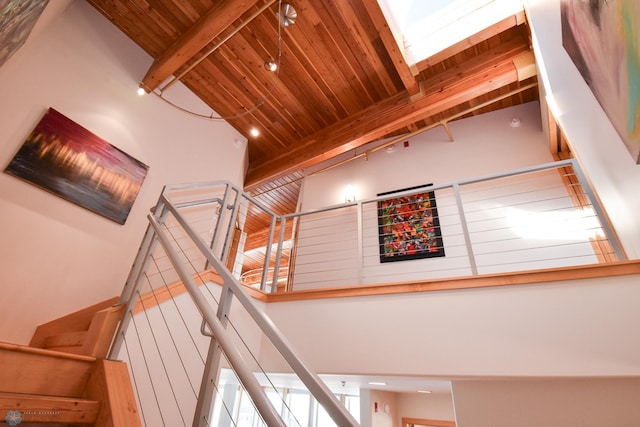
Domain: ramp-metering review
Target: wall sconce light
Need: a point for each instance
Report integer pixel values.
(349, 194)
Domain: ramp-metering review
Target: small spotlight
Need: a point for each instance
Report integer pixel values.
(141, 91)
(254, 132)
(288, 15)
(270, 66)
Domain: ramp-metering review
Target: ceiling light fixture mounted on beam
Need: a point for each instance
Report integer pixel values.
(286, 16)
(204, 56)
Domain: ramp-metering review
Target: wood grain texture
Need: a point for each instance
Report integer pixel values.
(110, 384)
(37, 371)
(342, 79)
(49, 409)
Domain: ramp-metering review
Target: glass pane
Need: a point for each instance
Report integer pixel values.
(352, 403)
(299, 404)
(322, 417)
(276, 399)
(247, 415)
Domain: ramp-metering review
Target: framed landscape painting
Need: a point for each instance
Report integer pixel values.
(602, 38)
(409, 227)
(69, 161)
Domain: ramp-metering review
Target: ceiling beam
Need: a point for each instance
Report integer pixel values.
(388, 40)
(489, 71)
(194, 39)
(487, 33)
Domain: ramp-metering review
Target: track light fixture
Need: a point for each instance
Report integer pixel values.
(288, 15)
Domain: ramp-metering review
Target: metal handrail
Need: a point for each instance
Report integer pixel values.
(215, 322)
(315, 385)
(217, 250)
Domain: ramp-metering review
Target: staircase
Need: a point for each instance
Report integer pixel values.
(62, 378)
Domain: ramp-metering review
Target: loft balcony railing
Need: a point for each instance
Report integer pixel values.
(181, 329)
(540, 217)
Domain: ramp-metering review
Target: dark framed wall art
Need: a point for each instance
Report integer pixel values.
(69, 161)
(409, 227)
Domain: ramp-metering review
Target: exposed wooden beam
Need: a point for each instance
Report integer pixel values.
(491, 70)
(192, 41)
(481, 36)
(388, 40)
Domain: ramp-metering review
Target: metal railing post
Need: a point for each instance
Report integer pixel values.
(216, 229)
(360, 267)
(465, 230)
(206, 395)
(267, 254)
(240, 366)
(315, 385)
(602, 218)
(276, 265)
(140, 265)
(228, 241)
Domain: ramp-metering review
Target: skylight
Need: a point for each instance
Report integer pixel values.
(424, 28)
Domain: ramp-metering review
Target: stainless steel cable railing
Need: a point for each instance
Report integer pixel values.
(176, 315)
(181, 328)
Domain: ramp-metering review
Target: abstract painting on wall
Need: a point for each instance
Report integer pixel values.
(17, 19)
(69, 161)
(409, 227)
(602, 37)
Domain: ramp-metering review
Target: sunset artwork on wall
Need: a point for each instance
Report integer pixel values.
(409, 227)
(69, 161)
(602, 38)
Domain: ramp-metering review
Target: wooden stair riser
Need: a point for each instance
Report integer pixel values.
(35, 371)
(88, 331)
(47, 409)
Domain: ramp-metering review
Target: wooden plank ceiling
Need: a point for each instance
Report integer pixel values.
(341, 82)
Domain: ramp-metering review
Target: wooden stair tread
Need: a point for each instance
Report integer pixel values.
(49, 409)
(45, 352)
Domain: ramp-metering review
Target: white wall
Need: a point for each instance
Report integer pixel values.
(596, 144)
(550, 403)
(56, 256)
(572, 328)
(483, 144)
(383, 409)
(435, 406)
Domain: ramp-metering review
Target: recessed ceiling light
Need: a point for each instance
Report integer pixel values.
(377, 383)
(254, 132)
(141, 91)
(515, 122)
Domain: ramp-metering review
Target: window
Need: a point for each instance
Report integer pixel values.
(297, 408)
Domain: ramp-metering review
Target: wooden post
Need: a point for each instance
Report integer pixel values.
(110, 384)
